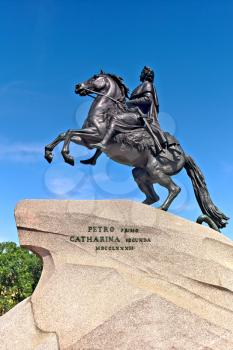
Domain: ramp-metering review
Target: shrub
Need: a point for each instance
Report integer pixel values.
(20, 271)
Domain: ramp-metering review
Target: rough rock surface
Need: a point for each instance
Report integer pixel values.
(172, 291)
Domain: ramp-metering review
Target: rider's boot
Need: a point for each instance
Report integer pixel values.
(102, 145)
(93, 159)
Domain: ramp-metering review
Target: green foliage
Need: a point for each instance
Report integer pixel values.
(20, 271)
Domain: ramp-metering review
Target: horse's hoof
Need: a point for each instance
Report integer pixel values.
(150, 201)
(69, 160)
(48, 156)
(88, 161)
(163, 208)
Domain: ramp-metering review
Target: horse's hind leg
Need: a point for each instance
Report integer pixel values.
(143, 181)
(158, 176)
(49, 148)
(173, 191)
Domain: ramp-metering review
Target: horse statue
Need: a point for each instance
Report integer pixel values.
(136, 149)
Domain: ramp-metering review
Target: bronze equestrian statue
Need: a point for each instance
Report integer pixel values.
(143, 100)
(128, 131)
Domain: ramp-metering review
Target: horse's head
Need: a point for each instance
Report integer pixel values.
(96, 83)
(101, 83)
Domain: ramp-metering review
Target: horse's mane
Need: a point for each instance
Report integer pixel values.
(120, 83)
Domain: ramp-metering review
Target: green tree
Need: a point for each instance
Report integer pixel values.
(20, 271)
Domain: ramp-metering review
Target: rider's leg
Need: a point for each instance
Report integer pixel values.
(93, 159)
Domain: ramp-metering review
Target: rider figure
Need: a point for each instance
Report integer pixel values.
(142, 102)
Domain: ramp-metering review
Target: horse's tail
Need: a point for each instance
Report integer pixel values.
(202, 195)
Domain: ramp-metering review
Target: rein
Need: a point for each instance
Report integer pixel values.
(111, 98)
(100, 94)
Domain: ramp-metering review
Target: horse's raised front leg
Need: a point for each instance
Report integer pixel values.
(77, 136)
(93, 159)
(66, 147)
(49, 148)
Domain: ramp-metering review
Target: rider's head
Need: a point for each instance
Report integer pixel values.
(147, 74)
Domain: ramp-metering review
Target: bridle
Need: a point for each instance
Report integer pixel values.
(101, 94)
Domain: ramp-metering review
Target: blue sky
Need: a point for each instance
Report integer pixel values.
(49, 46)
